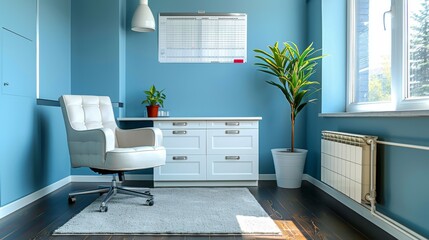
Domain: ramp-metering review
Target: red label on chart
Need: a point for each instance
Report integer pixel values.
(238, 60)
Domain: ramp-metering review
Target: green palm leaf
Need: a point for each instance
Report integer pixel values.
(293, 69)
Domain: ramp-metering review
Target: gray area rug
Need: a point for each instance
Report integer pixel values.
(176, 211)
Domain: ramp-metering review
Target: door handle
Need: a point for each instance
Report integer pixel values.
(232, 124)
(180, 158)
(232, 157)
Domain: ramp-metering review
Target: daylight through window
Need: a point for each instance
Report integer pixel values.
(388, 55)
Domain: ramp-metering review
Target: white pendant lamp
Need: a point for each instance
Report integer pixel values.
(143, 20)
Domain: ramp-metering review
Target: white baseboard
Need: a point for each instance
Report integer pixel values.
(389, 225)
(138, 177)
(22, 202)
(91, 178)
(108, 178)
(253, 183)
(266, 177)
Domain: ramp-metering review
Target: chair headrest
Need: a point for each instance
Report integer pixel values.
(85, 112)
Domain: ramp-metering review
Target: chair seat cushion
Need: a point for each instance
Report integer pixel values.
(126, 159)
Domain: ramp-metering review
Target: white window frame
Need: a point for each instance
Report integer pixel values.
(399, 101)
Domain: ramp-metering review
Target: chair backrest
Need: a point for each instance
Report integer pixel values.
(82, 113)
(88, 112)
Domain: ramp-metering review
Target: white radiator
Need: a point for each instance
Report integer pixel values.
(346, 161)
(348, 165)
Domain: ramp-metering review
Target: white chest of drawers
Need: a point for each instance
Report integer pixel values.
(208, 151)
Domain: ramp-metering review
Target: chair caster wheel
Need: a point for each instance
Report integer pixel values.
(72, 200)
(103, 208)
(149, 202)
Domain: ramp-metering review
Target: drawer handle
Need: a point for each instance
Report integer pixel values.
(232, 124)
(232, 157)
(180, 158)
(180, 124)
(179, 132)
(232, 132)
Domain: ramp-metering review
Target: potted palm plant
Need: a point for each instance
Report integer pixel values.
(154, 99)
(292, 70)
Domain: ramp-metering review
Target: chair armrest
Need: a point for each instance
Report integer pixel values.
(103, 137)
(148, 136)
(88, 147)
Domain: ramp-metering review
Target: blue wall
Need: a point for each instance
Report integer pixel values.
(220, 89)
(98, 52)
(402, 174)
(19, 16)
(334, 45)
(32, 141)
(97, 59)
(18, 128)
(55, 80)
(55, 48)
(314, 35)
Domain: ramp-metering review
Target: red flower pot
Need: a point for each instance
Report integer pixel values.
(152, 111)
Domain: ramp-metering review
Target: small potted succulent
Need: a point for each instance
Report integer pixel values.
(154, 99)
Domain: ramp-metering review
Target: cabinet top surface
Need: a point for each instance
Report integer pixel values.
(191, 119)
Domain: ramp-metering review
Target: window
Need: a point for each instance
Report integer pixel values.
(388, 55)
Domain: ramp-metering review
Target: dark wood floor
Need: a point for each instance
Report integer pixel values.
(305, 213)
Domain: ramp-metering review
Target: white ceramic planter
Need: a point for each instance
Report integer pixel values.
(289, 166)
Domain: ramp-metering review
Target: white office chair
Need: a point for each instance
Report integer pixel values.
(95, 141)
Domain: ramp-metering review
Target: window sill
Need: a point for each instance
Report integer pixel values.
(418, 113)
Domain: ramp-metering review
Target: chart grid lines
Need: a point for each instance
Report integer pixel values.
(202, 38)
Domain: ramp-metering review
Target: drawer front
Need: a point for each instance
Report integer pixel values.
(232, 124)
(183, 168)
(232, 167)
(184, 141)
(232, 141)
(179, 124)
